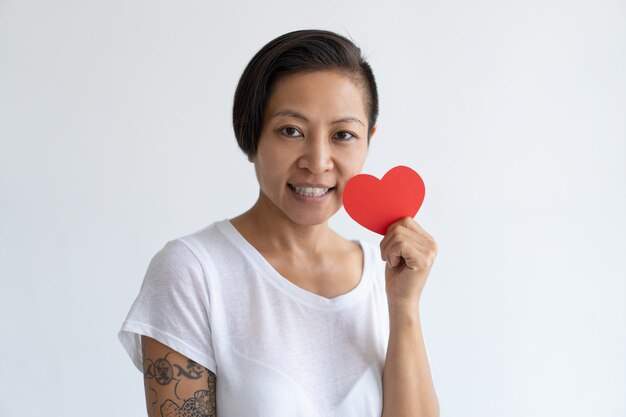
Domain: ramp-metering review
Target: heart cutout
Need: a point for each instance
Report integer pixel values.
(376, 204)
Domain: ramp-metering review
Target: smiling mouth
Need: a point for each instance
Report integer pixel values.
(310, 191)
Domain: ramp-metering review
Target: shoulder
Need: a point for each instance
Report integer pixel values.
(373, 261)
(211, 243)
(193, 248)
(370, 250)
(206, 257)
(186, 258)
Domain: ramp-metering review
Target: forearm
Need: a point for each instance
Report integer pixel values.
(408, 389)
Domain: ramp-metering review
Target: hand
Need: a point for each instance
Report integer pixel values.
(410, 253)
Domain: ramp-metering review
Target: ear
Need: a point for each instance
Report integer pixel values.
(372, 133)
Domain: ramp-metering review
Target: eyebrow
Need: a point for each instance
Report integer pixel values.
(297, 115)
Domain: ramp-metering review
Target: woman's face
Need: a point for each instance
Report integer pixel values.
(314, 138)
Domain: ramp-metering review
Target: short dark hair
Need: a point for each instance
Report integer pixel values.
(297, 51)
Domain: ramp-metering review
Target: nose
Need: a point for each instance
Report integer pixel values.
(317, 155)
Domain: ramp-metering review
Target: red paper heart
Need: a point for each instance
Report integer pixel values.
(376, 204)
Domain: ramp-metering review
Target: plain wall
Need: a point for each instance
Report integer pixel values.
(115, 137)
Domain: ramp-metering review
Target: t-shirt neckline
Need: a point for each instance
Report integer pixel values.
(299, 293)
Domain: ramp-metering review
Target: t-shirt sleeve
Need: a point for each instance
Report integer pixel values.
(172, 307)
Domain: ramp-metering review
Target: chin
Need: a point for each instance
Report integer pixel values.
(310, 219)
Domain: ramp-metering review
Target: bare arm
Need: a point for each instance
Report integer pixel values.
(407, 383)
(175, 385)
(408, 389)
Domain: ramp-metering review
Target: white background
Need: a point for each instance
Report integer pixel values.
(115, 137)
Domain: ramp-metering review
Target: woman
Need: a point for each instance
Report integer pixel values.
(272, 313)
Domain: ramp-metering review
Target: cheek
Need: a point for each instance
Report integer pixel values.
(271, 167)
(354, 161)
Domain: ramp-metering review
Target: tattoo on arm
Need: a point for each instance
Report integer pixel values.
(159, 370)
(194, 371)
(163, 372)
(201, 405)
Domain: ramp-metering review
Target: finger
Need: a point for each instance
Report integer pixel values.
(419, 257)
(411, 224)
(403, 223)
(421, 237)
(411, 244)
(402, 251)
(400, 232)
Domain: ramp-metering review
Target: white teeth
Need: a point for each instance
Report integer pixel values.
(310, 191)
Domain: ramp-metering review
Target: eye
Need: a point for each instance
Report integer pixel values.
(344, 136)
(290, 132)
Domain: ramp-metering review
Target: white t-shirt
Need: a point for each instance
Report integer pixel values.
(276, 349)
